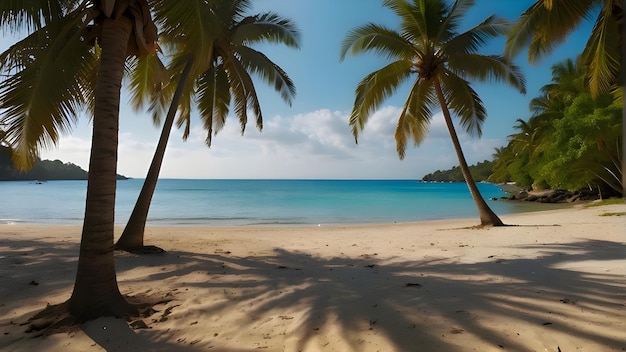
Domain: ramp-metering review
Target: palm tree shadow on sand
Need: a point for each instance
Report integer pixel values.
(292, 300)
(405, 303)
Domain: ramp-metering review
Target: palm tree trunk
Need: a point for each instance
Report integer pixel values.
(622, 78)
(487, 216)
(95, 291)
(133, 234)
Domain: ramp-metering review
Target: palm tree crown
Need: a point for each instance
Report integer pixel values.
(219, 37)
(429, 48)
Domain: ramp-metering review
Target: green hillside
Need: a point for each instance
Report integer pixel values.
(480, 172)
(43, 170)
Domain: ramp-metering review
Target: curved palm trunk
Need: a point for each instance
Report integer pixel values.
(487, 216)
(133, 234)
(96, 292)
(623, 84)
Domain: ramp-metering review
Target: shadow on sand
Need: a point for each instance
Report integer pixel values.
(409, 303)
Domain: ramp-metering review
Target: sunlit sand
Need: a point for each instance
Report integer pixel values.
(556, 281)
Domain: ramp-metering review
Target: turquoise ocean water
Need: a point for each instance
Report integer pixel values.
(253, 202)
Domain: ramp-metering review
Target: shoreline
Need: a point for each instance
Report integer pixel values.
(557, 280)
(521, 207)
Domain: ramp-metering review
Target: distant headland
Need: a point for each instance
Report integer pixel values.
(43, 170)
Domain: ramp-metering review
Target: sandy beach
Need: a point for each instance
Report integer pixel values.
(555, 282)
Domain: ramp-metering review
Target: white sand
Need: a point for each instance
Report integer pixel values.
(556, 281)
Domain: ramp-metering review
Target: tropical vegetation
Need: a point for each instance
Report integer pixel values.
(429, 48)
(571, 141)
(547, 23)
(217, 61)
(480, 172)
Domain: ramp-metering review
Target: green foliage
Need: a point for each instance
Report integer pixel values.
(573, 140)
(546, 24)
(480, 172)
(586, 143)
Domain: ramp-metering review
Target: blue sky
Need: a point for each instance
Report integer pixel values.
(311, 138)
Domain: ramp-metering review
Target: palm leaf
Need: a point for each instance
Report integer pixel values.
(487, 68)
(455, 15)
(43, 98)
(415, 117)
(256, 62)
(238, 78)
(542, 28)
(213, 100)
(33, 15)
(602, 55)
(464, 101)
(148, 77)
(381, 40)
(374, 89)
(420, 21)
(474, 39)
(267, 27)
(188, 27)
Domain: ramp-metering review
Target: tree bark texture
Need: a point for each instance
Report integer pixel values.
(96, 292)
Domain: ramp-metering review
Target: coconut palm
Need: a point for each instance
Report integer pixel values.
(441, 60)
(49, 79)
(220, 71)
(547, 23)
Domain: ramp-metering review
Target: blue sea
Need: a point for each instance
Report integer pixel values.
(256, 202)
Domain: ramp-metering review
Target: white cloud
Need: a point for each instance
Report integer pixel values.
(318, 144)
(70, 149)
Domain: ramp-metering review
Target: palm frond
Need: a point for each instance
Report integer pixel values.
(148, 77)
(240, 82)
(184, 115)
(415, 116)
(420, 20)
(476, 38)
(267, 27)
(42, 99)
(374, 89)
(213, 100)
(602, 55)
(542, 28)
(372, 37)
(231, 12)
(188, 27)
(455, 14)
(161, 101)
(465, 102)
(488, 68)
(33, 15)
(256, 62)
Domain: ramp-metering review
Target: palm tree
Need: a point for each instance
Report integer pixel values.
(219, 72)
(50, 73)
(501, 161)
(547, 23)
(429, 48)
